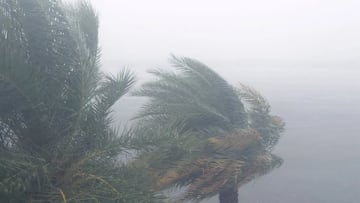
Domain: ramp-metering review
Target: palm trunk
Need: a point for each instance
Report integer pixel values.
(229, 196)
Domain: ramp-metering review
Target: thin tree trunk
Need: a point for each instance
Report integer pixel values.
(229, 196)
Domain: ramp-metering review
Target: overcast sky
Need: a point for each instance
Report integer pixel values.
(133, 32)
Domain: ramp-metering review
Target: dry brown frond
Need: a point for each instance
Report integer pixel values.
(238, 141)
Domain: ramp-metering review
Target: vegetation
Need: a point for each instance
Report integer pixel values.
(202, 136)
(56, 144)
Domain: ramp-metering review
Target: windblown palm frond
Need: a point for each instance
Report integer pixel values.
(269, 127)
(215, 143)
(194, 95)
(221, 163)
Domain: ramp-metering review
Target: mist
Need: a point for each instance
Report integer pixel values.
(303, 56)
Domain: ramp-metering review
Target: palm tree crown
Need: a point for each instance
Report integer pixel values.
(204, 133)
(56, 144)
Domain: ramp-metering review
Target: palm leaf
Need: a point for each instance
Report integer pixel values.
(269, 127)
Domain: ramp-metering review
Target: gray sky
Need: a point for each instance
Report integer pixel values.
(257, 32)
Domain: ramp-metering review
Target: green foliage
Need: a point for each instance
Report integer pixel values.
(56, 144)
(203, 133)
(196, 98)
(270, 127)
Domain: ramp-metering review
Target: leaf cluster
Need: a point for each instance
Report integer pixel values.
(204, 134)
(56, 143)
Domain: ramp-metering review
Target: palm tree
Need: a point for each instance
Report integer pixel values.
(56, 144)
(203, 133)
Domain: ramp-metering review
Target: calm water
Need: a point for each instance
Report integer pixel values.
(321, 146)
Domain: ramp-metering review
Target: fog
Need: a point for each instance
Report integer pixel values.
(303, 55)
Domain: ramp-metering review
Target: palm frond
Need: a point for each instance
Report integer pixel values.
(112, 88)
(261, 165)
(235, 142)
(194, 95)
(269, 127)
